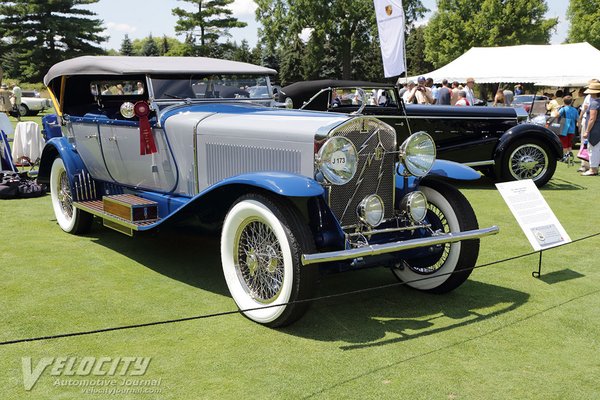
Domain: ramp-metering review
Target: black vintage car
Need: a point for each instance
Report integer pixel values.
(497, 141)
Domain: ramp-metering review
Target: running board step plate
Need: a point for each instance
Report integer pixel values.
(124, 213)
(131, 207)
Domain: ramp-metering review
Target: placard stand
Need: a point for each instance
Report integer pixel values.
(534, 216)
(538, 273)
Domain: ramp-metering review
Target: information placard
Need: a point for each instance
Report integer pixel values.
(534, 215)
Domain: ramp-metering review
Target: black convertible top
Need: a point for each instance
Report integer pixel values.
(301, 92)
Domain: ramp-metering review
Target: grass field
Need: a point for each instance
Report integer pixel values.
(502, 335)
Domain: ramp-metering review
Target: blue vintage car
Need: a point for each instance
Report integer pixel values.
(151, 141)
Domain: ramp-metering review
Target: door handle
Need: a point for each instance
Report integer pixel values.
(112, 139)
(91, 136)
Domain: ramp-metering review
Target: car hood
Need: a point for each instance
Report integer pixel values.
(245, 120)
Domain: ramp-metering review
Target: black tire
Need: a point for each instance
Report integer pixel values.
(262, 242)
(23, 110)
(450, 266)
(528, 159)
(70, 219)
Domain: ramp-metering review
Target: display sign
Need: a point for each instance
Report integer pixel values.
(534, 215)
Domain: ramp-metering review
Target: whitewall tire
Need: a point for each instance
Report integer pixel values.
(451, 264)
(262, 242)
(69, 218)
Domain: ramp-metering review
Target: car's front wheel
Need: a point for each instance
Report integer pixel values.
(23, 110)
(448, 265)
(262, 242)
(528, 159)
(69, 218)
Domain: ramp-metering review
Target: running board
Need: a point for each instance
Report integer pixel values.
(123, 213)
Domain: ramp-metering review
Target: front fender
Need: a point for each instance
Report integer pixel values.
(528, 130)
(59, 147)
(280, 183)
(442, 169)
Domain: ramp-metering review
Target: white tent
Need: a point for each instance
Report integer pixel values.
(548, 65)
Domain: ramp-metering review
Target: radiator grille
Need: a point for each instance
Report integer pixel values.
(375, 142)
(226, 160)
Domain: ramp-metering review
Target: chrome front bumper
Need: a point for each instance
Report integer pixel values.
(378, 249)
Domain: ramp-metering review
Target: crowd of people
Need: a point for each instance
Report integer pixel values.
(448, 94)
(589, 126)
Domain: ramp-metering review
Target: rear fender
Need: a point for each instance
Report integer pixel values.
(531, 131)
(60, 147)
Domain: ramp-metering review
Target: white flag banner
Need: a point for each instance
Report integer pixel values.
(390, 23)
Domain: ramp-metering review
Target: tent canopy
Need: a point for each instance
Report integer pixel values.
(548, 65)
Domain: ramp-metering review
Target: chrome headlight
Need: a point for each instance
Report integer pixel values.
(415, 205)
(417, 153)
(371, 210)
(338, 160)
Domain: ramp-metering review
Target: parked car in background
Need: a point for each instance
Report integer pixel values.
(32, 103)
(527, 101)
(495, 140)
(290, 191)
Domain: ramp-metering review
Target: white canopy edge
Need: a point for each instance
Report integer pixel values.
(550, 65)
(124, 65)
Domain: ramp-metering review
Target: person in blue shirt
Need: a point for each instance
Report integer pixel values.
(570, 116)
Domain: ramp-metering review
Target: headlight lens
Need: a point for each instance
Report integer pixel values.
(415, 205)
(338, 160)
(418, 153)
(371, 210)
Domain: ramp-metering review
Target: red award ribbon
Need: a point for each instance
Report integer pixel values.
(147, 145)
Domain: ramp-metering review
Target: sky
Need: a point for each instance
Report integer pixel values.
(139, 18)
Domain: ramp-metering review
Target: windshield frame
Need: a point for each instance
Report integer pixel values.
(188, 94)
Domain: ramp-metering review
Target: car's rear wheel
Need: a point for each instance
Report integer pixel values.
(528, 159)
(450, 264)
(262, 242)
(69, 218)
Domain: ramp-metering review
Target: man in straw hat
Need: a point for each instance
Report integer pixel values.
(592, 129)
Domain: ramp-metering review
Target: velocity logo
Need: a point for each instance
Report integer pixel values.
(84, 366)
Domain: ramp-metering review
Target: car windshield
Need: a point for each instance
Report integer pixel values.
(523, 99)
(381, 97)
(213, 86)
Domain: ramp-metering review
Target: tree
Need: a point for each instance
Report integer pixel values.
(211, 22)
(126, 46)
(40, 33)
(164, 46)
(348, 25)
(291, 59)
(149, 47)
(458, 25)
(415, 50)
(584, 16)
(242, 52)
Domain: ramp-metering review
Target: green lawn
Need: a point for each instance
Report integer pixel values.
(502, 335)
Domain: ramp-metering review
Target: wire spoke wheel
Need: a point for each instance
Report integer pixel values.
(262, 242)
(442, 268)
(69, 218)
(259, 261)
(528, 161)
(64, 195)
(439, 224)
